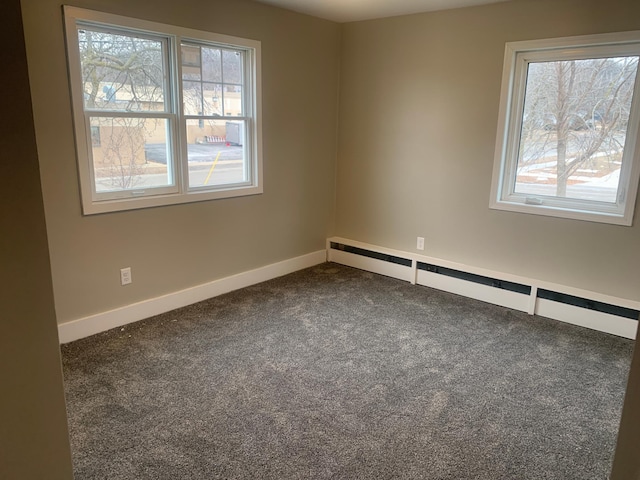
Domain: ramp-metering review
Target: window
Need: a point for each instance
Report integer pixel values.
(162, 114)
(568, 126)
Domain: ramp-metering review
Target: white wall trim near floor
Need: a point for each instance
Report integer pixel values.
(84, 327)
(424, 270)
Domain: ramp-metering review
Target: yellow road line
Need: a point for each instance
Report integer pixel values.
(215, 162)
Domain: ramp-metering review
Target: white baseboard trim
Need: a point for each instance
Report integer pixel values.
(101, 322)
(530, 303)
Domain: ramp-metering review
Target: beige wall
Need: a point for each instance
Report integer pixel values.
(34, 443)
(418, 115)
(175, 247)
(428, 76)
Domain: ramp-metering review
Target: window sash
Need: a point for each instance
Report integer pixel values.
(172, 171)
(518, 56)
(250, 167)
(166, 45)
(247, 150)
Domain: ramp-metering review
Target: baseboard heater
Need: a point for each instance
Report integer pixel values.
(371, 254)
(479, 279)
(527, 297)
(372, 260)
(588, 304)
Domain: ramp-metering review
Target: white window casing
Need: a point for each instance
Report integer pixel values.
(236, 169)
(504, 189)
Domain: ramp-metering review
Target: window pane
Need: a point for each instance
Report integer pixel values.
(191, 63)
(212, 98)
(121, 72)
(216, 151)
(192, 98)
(232, 66)
(211, 65)
(574, 127)
(130, 153)
(232, 100)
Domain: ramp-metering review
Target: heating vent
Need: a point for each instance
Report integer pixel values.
(523, 294)
(589, 304)
(371, 254)
(471, 277)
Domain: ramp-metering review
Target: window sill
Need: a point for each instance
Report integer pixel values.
(559, 212)
(105, 206)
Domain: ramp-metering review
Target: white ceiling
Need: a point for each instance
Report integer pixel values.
(354, 10)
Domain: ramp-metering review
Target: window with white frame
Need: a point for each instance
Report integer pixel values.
(568, 128)
(162, 114)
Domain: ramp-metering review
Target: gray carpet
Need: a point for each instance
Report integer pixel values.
(337, 373)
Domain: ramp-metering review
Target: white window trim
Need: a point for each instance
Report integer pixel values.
(516, 56)
(181, 193)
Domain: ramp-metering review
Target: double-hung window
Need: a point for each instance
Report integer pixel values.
(568, 128)
(162, 114)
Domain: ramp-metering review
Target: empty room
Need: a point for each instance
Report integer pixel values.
(294, 239)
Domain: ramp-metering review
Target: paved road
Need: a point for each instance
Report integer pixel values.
(156, 152)
(226, 175)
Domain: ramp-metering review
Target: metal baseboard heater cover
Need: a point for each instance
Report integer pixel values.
(495, 282)
(371, 254)
(472, 277)
(589, 304)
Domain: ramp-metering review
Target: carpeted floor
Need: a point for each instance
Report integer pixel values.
(336, 373)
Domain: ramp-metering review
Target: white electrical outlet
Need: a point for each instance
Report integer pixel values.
(420, 244)
(125, 276)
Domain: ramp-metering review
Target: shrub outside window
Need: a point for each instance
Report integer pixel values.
(568, 126)
(162, 114)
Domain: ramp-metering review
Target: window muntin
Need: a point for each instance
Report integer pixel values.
(212, 81)
(162, 114)
(566, 143)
